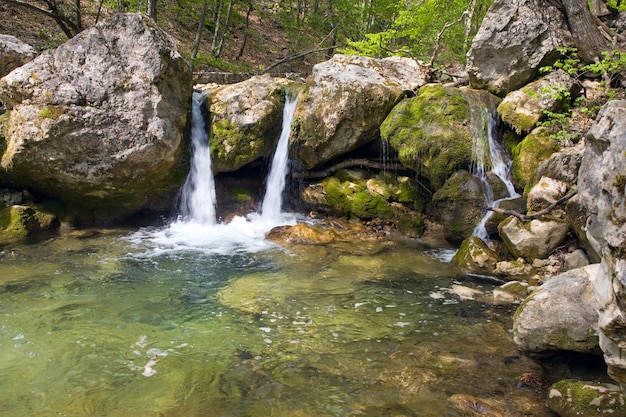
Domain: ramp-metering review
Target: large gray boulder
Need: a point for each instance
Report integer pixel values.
(245, 120)
(98, 123)
(515, 39)
(601, 193)
(14, 53)
(345, 101)
(559, 315)
(534, 239)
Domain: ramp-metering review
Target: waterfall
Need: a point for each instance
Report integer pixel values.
(273, 200)
(197, 203)
(486, 148)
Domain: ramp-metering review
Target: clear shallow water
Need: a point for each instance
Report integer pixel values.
(120, 324)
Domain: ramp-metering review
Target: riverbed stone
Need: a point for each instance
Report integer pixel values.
(601, 190)
(474, 256)
(560, 315)
(516, 38)
(533, 239)
(344, 102)
(571, 398)
(302, 234)
(522, 109)
(246, 120)
(98, 122)
(14, 53)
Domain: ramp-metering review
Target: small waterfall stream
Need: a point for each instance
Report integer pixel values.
(488, 152)
(197, 202)
(273, 200)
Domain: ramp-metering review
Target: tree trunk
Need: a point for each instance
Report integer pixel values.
(152, 9)
(584, 28)
(229, 14)
(196, 42)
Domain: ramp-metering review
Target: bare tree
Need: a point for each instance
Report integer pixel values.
(196, 42)
(152, 9)
(54, 10)
(585, 30)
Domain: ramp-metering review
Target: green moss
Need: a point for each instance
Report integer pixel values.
(519, 121)
(20, 222)
(572, 397)
(4, 131)
(51, 112)
(537, 147)
(241, 194)
(431, 132)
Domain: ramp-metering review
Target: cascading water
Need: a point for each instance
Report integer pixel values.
(197, 202)
(196, 227)
(487, 148)
(273, 200)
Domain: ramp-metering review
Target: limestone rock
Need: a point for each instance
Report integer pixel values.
(562, 165)
(302, 234)
(534, 239)
(601, 191)
(530, 153)
(522, 109)
(20, 222)
(14, 53)
(515, 39)
(511, 292)
(546, 192)
(345, 101)
(98, 122)
(245, 121)
(459, 205)
(559, 315)
(570, 398)
(433, 132)
(475, 256)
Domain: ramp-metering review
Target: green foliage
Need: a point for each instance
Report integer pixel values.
(618, 5)
(417, 26)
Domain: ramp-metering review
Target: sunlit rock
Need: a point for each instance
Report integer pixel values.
(476, 257)
(570, 398)
(98, 122)
(532, 239)
(560, 315)
(302, 234)
(14, 53)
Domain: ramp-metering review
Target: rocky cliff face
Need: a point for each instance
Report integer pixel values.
(98, 123)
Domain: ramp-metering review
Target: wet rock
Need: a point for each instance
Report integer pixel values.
(515, 39)
(98, 122)
(302, 234)
(559, 315)
(532, 239)
(345, 101)
(470, 406)
(538, 146)
(246, 120)
(570, 398)
(21, 222)
(476, 257)
(522, 109)
(510, 293)
(14, 53)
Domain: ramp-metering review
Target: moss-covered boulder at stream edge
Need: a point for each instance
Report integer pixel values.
(571, 398)
(527, 155)
(21, 222)
(431, 132)
(357, 195)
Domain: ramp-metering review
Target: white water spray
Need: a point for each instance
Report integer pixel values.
(198, 193)
(273, 200)
(484, 124)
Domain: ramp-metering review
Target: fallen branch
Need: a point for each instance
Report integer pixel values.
(528, 217)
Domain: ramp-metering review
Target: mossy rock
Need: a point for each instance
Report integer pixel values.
(18, 223)
(475, 256)
(432, 132)
(536, 148)
(569, 398)
(4, 131)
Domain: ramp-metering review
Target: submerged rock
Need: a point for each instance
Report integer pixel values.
(345, 101)
(560, 315)
(570, 398)
(98, 123)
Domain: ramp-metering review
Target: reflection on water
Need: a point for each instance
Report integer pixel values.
(104, 325)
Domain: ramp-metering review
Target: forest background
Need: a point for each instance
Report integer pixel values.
(257, 36)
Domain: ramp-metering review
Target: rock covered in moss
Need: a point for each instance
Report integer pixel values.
(559, 315)
(571, 398)
(345, 101)
(522, 109)
(475, 256)
(98, 122)
(532, 239)
(432, 132)
(246, 121)
(459, 205)
(528, 155)
(511, 292)
(21, 222)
